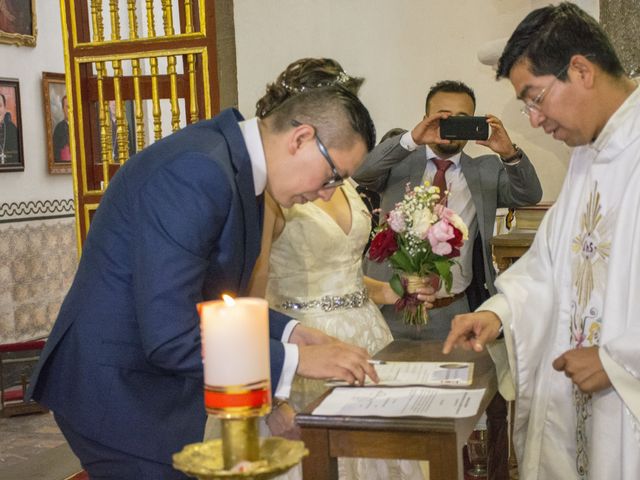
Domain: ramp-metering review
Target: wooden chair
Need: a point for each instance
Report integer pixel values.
(13, 397)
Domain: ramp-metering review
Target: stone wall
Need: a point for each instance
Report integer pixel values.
(621, 21)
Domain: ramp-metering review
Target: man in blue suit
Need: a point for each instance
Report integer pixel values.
(181, 223)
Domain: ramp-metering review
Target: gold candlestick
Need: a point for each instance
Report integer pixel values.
(240, 442)
(205, 460)
(238, 405)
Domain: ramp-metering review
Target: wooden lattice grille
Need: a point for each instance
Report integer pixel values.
(135, 72)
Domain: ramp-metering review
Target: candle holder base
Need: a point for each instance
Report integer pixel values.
(205, 460)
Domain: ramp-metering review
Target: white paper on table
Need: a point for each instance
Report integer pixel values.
(401, 402)
(432, 374)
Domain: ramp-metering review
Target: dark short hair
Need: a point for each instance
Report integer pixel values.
(334, 111)
(449, 86)
(548, 37)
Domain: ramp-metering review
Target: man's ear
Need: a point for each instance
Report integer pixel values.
(299, 136)
(584, 69)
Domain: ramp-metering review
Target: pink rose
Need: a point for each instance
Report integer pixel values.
(395, 219)
(453, 218)
(439, 235)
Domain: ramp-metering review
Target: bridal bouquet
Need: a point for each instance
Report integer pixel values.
(419, 238)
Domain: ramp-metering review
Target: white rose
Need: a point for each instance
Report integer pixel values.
(421, 221)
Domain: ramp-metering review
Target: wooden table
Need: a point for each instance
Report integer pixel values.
(438, 440)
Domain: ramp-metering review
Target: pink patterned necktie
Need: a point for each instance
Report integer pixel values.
(439, 179)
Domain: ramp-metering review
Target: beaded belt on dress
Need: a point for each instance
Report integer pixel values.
(329, 303)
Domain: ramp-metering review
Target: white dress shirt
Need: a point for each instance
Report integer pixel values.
(253, 142)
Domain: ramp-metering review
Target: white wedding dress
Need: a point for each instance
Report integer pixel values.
(312, 260)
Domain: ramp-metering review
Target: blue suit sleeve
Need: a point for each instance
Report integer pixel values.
(276, 353)
(277, 323)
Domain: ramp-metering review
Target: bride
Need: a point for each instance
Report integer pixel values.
(311, 269)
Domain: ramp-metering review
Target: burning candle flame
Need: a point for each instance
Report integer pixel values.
(229, 301)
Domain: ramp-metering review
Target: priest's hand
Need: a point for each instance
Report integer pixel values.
(336, 360)
(428, 130)
(472, 331)
(584, 368)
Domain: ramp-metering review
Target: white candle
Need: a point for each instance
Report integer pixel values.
(235, 339)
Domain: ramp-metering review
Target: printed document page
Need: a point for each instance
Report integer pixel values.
(401, 402)
(432, 374)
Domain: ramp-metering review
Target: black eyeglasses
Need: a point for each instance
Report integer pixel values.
(337, 179)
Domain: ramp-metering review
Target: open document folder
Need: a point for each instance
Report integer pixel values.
(429, 374)
(401, 402)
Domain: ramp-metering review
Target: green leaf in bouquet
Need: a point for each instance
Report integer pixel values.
(396, 285)
(444, 271)
(401, 260)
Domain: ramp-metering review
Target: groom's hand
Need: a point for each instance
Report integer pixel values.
(336, 360)
(303, 336)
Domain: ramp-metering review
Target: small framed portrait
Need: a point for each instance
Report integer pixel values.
(18, 22)
(56, 117)
(11, 152)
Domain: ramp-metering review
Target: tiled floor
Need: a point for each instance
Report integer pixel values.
(32, 448)
(27, 435)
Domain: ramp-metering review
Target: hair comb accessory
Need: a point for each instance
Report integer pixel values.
(288, 87)
(341, 79)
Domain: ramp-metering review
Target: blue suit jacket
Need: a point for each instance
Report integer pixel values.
(178, 224)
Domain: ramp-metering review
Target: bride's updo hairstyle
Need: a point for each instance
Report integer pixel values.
(303, 75)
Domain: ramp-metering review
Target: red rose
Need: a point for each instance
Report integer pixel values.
(383, 245)
(456, 243)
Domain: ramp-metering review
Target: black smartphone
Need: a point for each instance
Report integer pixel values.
(463, 127)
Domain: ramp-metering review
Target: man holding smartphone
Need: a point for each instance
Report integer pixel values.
(476, 186)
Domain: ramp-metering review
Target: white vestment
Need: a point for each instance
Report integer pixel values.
(577, 286)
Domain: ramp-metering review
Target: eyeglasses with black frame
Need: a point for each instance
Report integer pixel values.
(337, 179)
(534, 105)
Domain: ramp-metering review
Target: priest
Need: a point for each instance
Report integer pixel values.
(568, 308)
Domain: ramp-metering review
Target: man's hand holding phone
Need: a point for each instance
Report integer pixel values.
(428, 130)
(499, 140)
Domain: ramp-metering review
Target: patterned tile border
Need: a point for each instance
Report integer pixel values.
(36, 210)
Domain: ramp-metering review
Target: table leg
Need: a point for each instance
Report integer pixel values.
(319, 464)
(497, 431)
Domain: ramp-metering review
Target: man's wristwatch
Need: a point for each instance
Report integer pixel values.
(516, 157)
(500, 332)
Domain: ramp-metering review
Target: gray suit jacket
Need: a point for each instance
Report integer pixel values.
(389, 167)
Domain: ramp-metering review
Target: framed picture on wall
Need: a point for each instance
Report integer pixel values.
(11, 152)
(18, 22)
(56, 115)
